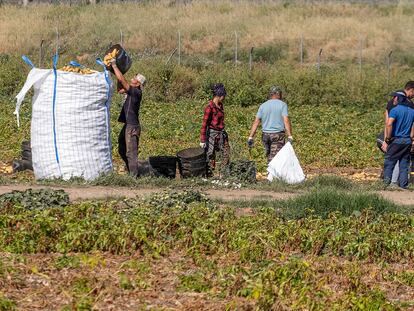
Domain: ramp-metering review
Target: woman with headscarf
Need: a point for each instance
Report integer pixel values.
(213, 135)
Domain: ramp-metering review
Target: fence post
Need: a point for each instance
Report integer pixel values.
(121, 37)
(319, 60)
(360, 55)
(389, 68)
(179, 48)
(41, 54)
(236, 48)
(251, 58)
(301, 49)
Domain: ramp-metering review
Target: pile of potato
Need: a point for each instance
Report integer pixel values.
(110, 56)
(5, 168)
(83, 70)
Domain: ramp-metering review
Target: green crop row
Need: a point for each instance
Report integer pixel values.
(272, 259)
(189, 220)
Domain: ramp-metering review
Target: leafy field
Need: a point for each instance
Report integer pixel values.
(335, 115)
(333, 245)
(336, 112)
(179, 250)
(324, 137)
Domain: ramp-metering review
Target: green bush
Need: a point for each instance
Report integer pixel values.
(12, 75)
(322, 203)
(330, 181)
(271, 53)
(35, 199)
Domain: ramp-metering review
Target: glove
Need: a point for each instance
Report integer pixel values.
(384, 146)
(290, 139)
(203, 145)
(250, 142)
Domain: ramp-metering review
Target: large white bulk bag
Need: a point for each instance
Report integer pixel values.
(70, 131)
(285, 166)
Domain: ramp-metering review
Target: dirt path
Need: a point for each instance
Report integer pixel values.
(88, 193)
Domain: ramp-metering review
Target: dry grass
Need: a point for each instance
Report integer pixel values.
(337, 28)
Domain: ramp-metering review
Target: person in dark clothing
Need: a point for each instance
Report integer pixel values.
(399, 136)
(128, 141)
(214, 137)
(392, 103)
(398, 98)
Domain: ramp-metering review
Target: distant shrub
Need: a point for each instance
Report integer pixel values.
(321, 203)
(271, 53)
(12, 76)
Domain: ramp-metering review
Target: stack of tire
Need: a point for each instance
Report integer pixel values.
(25, 163)
(192, 162)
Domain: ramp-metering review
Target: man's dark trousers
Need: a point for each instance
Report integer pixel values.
(128, 143)
(398, 150)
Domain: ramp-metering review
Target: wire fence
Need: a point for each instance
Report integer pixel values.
(47, 44)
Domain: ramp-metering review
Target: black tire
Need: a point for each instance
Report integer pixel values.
(27, 155)
(26, 146)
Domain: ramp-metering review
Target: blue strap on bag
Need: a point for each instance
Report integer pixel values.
(28, 61)
(55, 60)
(108, 97)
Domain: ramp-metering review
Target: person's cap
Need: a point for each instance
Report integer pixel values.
(142, 80)
(275, 90)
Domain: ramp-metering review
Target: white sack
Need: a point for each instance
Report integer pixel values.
(70, 136)
(285, 166)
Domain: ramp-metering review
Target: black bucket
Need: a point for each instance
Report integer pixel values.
(123, 60)
(163, 166)
(380, 140)
(192, 162)
(144, 168)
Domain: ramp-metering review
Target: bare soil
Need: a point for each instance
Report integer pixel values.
(98, 192)
(36, 282)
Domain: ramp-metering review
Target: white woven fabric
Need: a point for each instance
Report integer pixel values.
(70, 137)
(285, 166)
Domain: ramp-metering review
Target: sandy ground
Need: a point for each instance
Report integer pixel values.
(87, 193)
